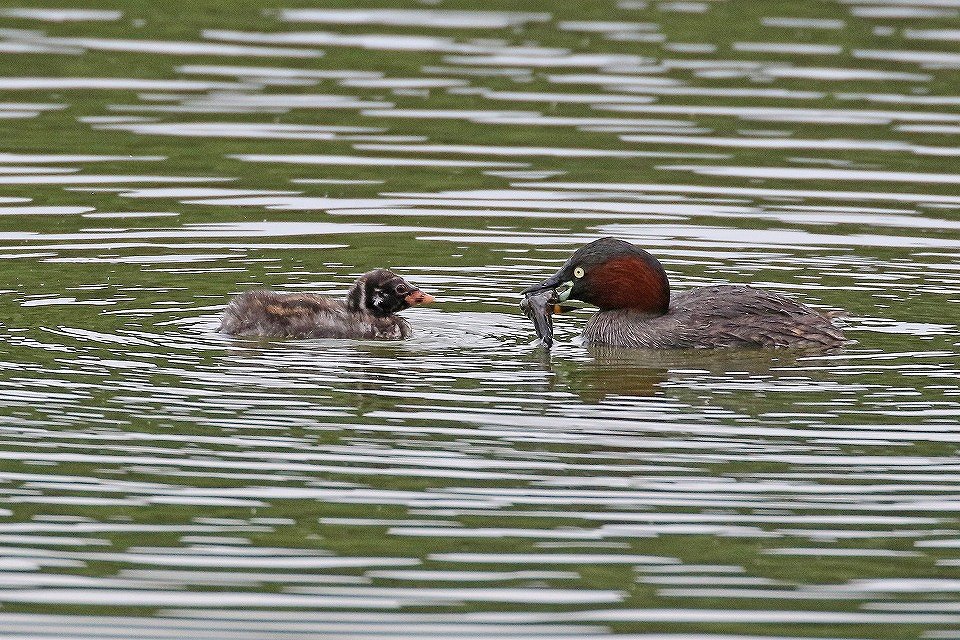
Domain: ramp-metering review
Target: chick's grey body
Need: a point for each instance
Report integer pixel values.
(718, 316)
(305, 315)
(367, 312)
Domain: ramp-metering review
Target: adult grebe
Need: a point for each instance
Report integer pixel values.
(631, 289)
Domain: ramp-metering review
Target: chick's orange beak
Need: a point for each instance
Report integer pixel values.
(418, 297)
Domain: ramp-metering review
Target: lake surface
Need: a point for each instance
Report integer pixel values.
(160, 480)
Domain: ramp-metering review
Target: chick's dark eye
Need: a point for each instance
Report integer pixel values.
(401, 289)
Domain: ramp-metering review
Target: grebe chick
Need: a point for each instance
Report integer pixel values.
(367, 313)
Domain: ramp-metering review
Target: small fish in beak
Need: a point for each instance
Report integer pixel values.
(539, 307)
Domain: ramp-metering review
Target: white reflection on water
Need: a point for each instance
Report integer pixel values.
(431, 18)
(797, 173)
(271, 131)
(121, 84)
(200, 192)
(786, 114)
(167, 47)
(28, 109)
(932, 34)
(465, 149)
(52, 178)
(937, 59)
(273, 72)
(803, 23)
(48, 158)
(748, 191)
(374, 41)
(899, 11)
(42, 211)
(798, 48)
(547, 59)
(366, 161)
(62, 15)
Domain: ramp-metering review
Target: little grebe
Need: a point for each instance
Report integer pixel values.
(631, 289)
(367, 313)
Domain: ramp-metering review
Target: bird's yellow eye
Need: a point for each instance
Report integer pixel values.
(578, 272)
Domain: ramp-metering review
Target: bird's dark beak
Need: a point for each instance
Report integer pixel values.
(416, 297)
(553, 282)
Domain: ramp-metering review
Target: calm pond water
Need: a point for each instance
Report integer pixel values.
(160, 480)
